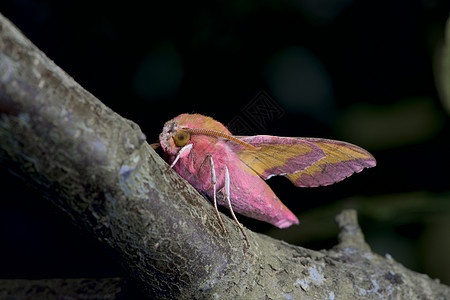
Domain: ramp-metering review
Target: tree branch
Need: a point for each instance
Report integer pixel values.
(97, 167)
(80, 288)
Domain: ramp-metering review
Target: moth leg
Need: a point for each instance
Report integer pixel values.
(155, 146)
(213, 183)
(182, 153)
(227, 195)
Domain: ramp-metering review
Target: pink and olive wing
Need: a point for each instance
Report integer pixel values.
(341, 160)
(277, 155)
(307, 162)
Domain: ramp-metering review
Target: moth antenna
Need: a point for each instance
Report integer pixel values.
(219, 134)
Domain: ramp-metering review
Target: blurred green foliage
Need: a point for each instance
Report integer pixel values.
(402, 123)
(442, 68)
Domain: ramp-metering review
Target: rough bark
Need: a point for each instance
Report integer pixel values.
(80, 288)
(97, 167)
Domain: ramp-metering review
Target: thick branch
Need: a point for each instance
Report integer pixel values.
(97, 167)
(80, 288)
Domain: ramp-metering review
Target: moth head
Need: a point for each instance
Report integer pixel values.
(173, 137)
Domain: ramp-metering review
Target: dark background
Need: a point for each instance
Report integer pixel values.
(359, 71)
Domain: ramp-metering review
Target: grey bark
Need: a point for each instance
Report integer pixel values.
(47, 289)
(97, 167)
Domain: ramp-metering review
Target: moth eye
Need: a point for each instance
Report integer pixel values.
(181, 137)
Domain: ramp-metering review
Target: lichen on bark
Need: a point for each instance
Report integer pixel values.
(97, 167)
